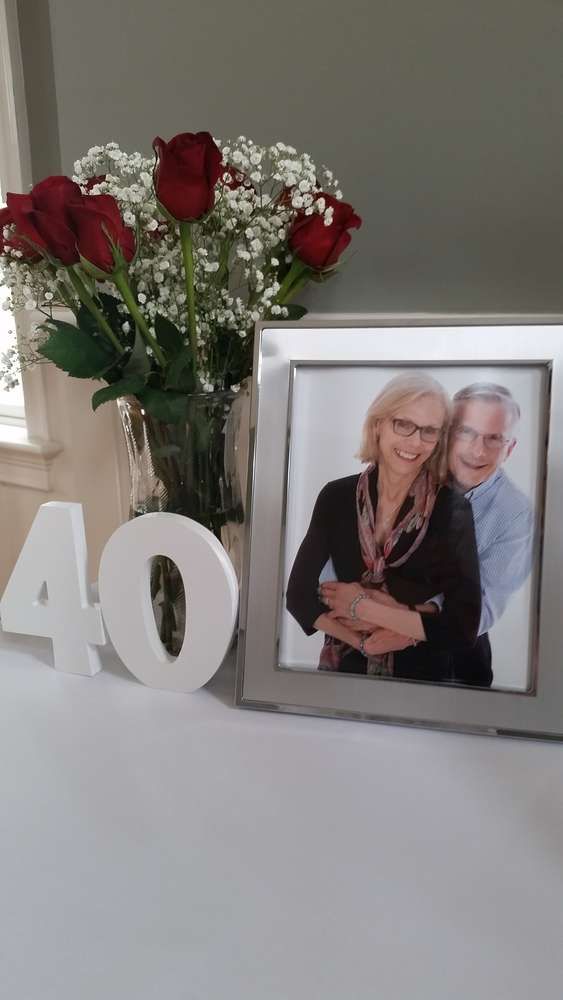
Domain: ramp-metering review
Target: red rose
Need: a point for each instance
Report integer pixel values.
(235, 178)
(186, 171)
(5, 220)
(284, 197)
(41, 218)
(11, 241)
(162, 230)
(92, 181)
(320, 246)
(98, 225)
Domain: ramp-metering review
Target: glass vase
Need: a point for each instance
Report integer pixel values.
(196, 468)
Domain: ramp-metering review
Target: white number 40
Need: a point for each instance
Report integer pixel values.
(49, 595)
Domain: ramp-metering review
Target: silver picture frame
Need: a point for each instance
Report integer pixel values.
(284, 354)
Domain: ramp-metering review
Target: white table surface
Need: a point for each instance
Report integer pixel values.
(159, 845)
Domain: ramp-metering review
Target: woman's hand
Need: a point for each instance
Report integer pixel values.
(383, 640)
(339, 596)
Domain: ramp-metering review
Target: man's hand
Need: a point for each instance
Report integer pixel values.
(354, 624)
(382, 597)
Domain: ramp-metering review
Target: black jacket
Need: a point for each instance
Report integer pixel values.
(445, 563)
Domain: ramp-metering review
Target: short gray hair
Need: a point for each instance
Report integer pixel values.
(490, 392)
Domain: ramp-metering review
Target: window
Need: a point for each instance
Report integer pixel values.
(11, 402)
(26, 451)
(14, 170)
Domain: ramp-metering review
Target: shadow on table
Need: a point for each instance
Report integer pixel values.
(221, 685)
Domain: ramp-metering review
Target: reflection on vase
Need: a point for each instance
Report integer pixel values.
(192, 468)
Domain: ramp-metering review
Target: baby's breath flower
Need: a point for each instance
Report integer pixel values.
(238, 249)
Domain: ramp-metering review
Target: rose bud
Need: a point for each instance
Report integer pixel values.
(317, 245)
(99, 230)
(185, 174)
(42, 218)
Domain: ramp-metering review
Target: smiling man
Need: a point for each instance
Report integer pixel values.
(484, 435)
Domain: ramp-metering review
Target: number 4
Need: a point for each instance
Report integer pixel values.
(48, 593)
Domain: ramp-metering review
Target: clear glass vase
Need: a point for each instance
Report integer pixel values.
(196, 468)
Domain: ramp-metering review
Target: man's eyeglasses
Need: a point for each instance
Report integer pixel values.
(406, 428)
(492, 442)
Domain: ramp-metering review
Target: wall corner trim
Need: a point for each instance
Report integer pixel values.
(26, 461)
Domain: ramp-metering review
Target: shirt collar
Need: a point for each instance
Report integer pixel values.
(483, 488)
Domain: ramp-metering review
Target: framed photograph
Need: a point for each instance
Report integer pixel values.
(404, 542)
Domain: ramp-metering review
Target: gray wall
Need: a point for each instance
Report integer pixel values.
(442, 120)
(39, 80)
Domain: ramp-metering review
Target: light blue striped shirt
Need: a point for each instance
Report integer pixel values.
(504, 530)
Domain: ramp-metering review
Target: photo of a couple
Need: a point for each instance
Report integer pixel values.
(407, 566)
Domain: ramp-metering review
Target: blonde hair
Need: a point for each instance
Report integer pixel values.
(401, 390)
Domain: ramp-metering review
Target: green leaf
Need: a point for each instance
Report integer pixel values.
(125, 387)
(87, 322)
(170, 407)
(89, 325)
(180, 375)
(168, 336)
(76, 352)
(295, 311)
(138, 363)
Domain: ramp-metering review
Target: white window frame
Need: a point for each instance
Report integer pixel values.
(26, 451)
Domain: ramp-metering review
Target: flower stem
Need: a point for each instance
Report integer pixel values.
(188, 258)
(120, 279)
(294, 275)
(66, 296)
(88, 301)
(294, 289)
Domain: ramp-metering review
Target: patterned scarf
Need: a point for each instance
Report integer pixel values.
(377, 559)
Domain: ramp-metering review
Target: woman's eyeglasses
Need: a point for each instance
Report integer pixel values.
(406, 428)
(492, 442)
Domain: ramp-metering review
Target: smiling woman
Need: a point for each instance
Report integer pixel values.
(397, 536)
